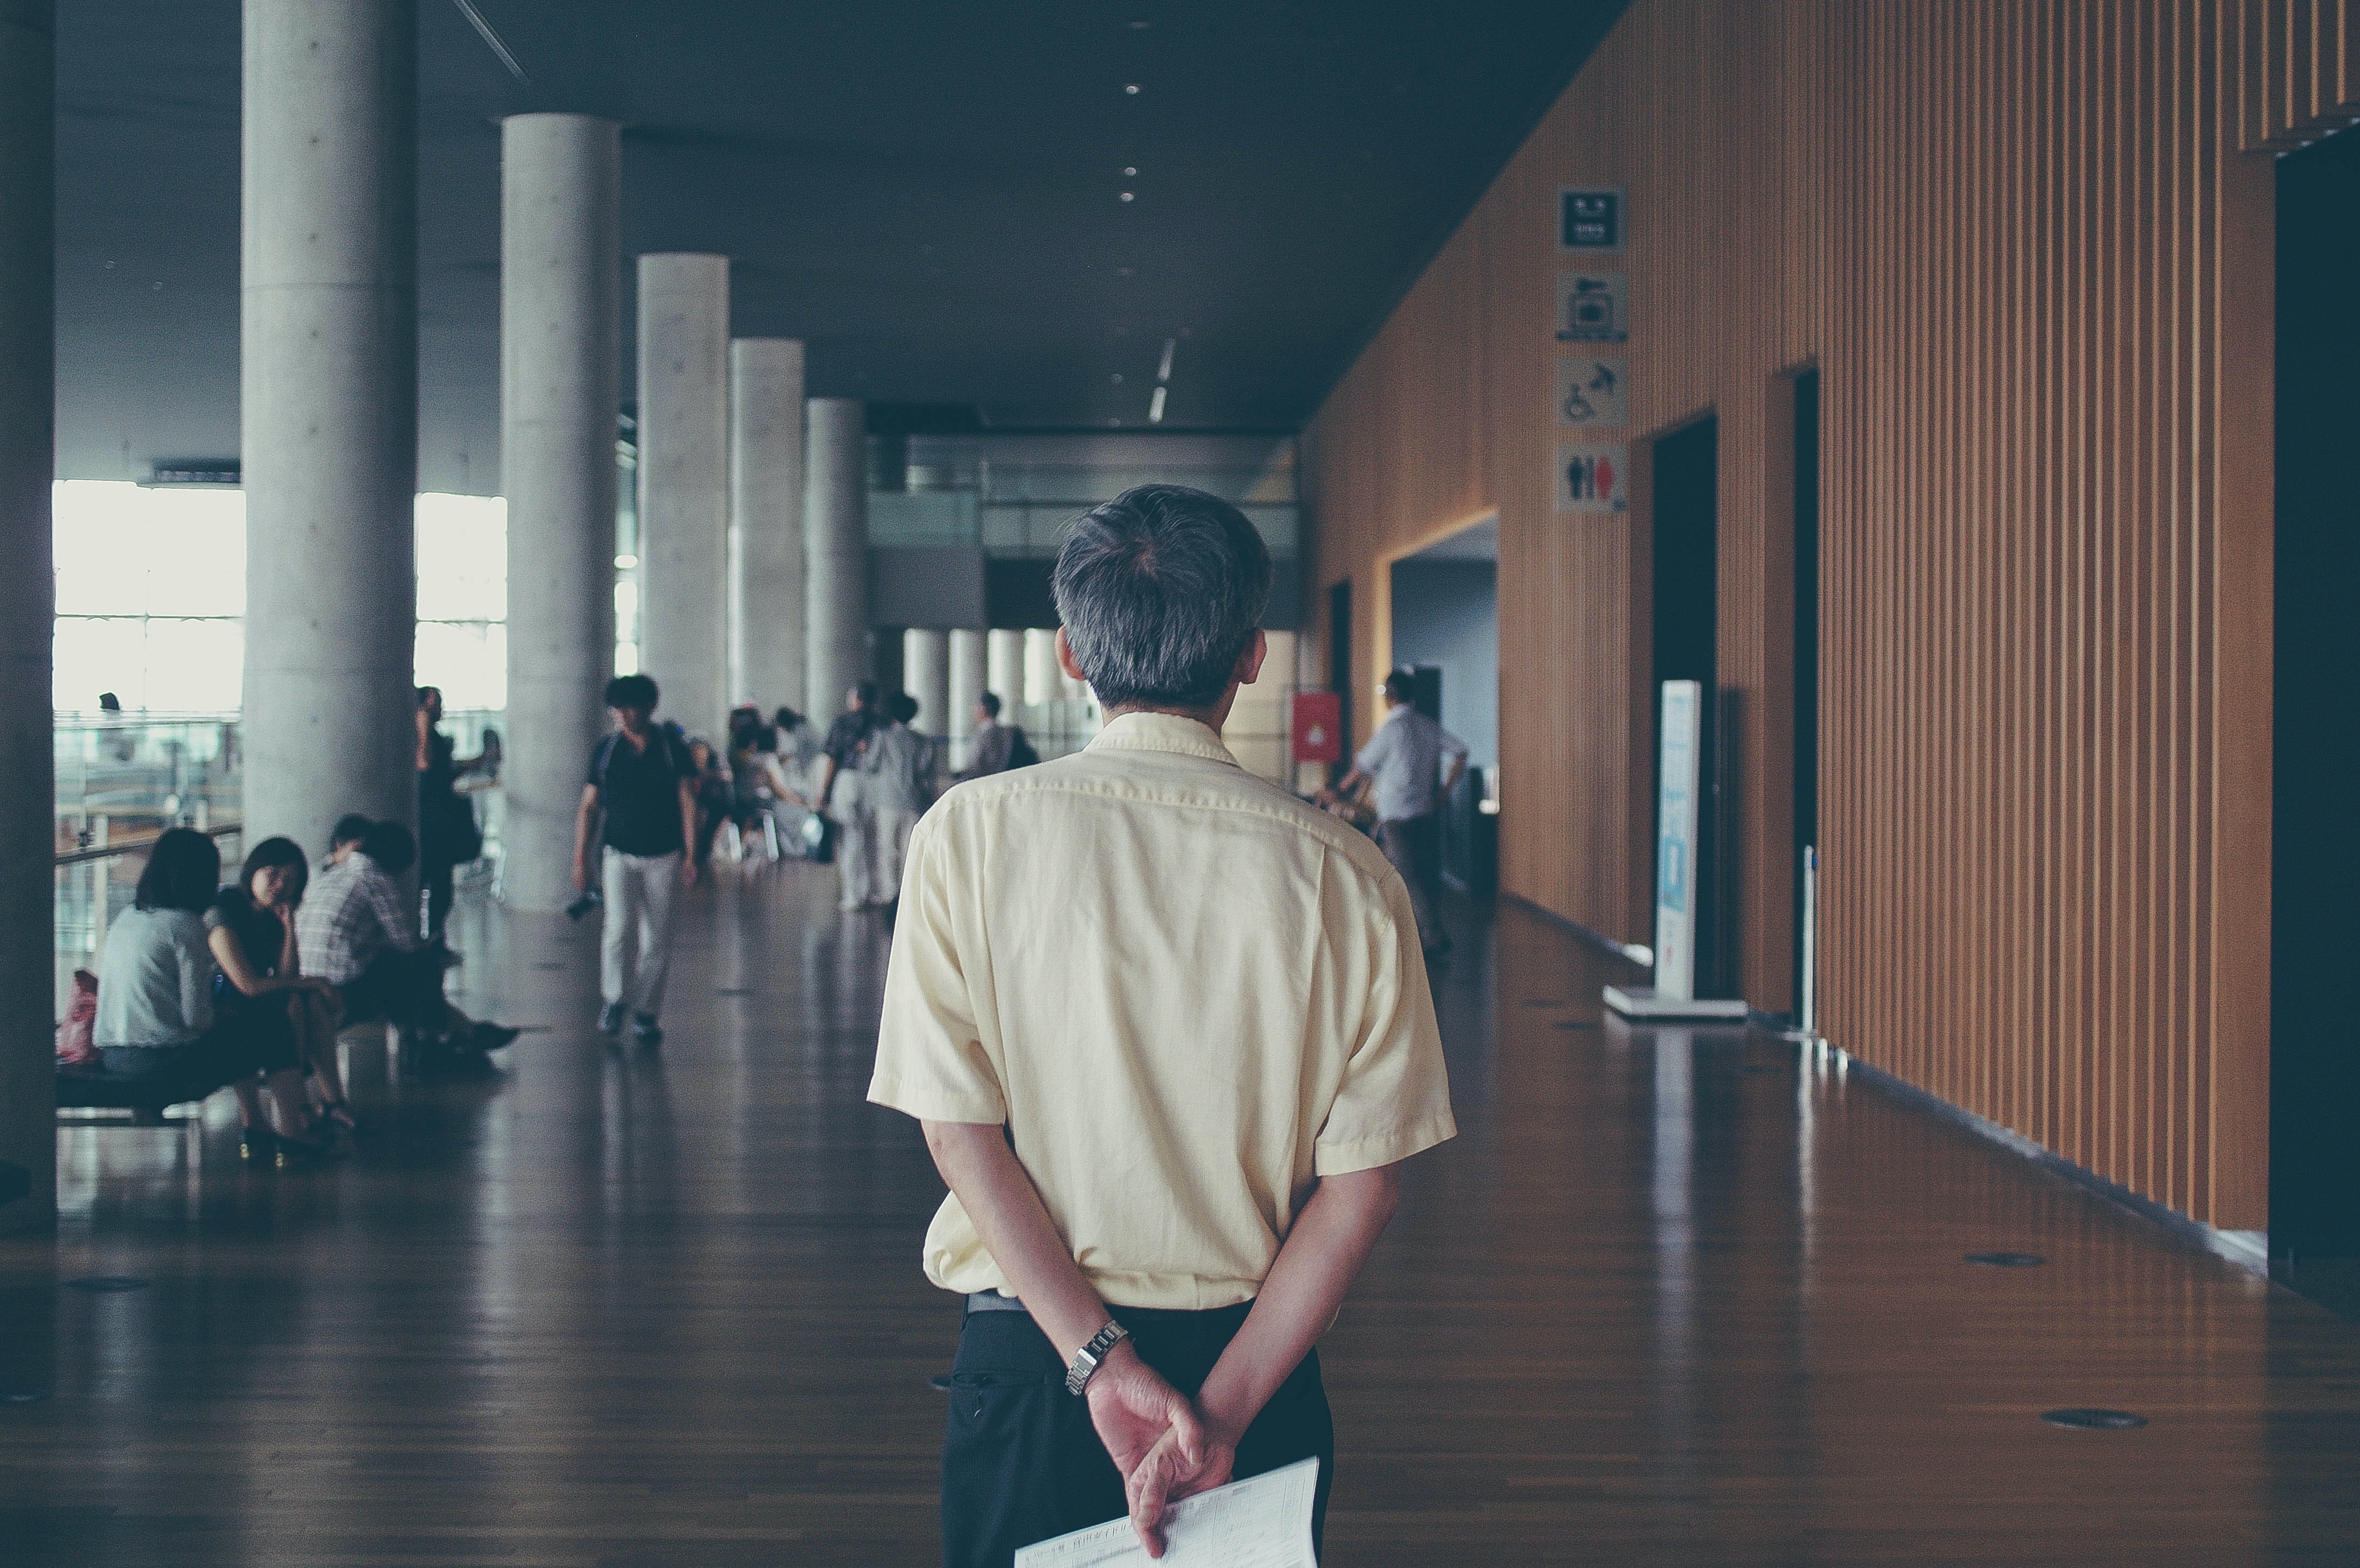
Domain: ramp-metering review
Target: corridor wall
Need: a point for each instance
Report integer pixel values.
(2027, 245)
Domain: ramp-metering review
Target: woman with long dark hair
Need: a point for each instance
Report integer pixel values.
(262, 983)
(155, 1013)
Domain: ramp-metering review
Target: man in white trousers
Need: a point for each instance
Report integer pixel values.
(644, 784)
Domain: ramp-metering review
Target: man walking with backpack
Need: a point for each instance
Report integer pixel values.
(643, 782)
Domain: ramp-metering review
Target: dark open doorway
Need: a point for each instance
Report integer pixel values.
(1806, 674)
(2315, 856)
(1341, 674)
(1685, 571)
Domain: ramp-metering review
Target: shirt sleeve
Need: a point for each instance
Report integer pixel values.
(929, 1059)
(196, 977)
(385, 904)
(1395, 1096)
(1454, 749)
(1372, 756)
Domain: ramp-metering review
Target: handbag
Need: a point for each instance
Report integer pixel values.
(819, 838)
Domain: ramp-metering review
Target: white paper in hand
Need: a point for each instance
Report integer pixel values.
(1261, 1523)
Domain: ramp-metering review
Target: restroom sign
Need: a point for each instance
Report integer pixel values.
(1593, 394)
(1595, 480)
(1589, 218)
(1593, 307)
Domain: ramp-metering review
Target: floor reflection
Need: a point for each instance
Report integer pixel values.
(1680, 1297)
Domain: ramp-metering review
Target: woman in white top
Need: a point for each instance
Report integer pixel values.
(156, 1018)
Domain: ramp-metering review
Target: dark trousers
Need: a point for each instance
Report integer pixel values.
(406, 989)
(1023, 1463)
(441, 892)
(1413, 845)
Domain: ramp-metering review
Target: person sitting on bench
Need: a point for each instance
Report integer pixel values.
(262, 982)
(353, 935)
(156, 1018)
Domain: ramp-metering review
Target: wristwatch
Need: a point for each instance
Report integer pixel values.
(1088, 1359)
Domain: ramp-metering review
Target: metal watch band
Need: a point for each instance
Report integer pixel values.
(1086, 1359)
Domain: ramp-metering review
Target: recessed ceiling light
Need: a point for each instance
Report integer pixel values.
(1131, 88)
(1141, 27)
(1128, 170)
(1118, 378)
(1127, 196)
(1156, 406)
(1122, 272)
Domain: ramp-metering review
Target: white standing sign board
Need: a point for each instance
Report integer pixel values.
(1674, 994)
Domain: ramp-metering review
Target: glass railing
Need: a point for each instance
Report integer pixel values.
(123, 780)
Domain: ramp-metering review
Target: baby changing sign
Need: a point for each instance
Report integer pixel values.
(1593, 478)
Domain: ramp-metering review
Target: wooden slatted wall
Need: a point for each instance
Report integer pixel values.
(2028, 249)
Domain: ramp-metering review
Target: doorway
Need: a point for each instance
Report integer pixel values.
(1446, 631)
(2314, 1211)
(1341, 674)
(1804, 676)
(1685, 593)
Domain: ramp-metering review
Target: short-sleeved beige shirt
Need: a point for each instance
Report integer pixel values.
(1187, 993)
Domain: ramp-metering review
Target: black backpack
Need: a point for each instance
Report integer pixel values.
(1021, 753)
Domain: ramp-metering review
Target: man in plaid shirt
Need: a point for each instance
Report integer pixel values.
(353, 933)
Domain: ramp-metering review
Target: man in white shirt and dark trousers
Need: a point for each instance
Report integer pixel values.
(1169, 1038)
(1414, 763)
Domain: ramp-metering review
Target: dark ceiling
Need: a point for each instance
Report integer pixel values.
(928, 194)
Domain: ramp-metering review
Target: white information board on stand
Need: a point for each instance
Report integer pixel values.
(1674, 994)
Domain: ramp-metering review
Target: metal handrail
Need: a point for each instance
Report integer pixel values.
(132, 846)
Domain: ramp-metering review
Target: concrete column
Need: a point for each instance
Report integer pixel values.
(1044, 678)
(1004, 668)
(766, 522)
(927, 675)
(684, 485)
(328, 387)
(835, 555)
(28, 602)
(561, 343)
(966, 684)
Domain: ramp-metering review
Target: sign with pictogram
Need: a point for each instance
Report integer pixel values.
(1593, 478)
(1593, 394)
(1315, 725)
(1589, 218)
(1593, 307)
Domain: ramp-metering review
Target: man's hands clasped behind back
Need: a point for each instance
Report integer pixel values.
(1160, 1445)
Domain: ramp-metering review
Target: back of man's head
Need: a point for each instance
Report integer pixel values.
(989, 703)
(350, 828)
(391, 845)
(1401, 687)
(901, 708)
(1160, 590)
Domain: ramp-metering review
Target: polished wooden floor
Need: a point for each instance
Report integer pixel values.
(1670, 1299)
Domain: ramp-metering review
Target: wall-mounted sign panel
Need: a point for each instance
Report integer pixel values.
(1593, 394)
(1593, 307)
(1589, 218)
(1593, 478)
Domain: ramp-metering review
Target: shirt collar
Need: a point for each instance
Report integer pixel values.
(1162, 732)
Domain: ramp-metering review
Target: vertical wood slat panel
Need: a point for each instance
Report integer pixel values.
(2018, 241)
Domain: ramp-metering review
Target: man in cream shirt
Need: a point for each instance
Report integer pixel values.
(1168, 1031)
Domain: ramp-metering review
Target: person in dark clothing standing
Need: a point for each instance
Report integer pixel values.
(447, 835)
(643, 782)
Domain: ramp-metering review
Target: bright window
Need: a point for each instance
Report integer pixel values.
(151, 597)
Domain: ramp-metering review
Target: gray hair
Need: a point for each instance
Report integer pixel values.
(1160, 590)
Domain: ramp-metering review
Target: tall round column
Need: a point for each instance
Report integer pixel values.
(967, 686)
(1044, 680)
(766, 522)
(28, 602)
(835, 555)
(328, 389)
(561, 341)
(684, 485)
(1004, 667)
(927, 675)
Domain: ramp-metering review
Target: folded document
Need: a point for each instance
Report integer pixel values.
(1264, 1522)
